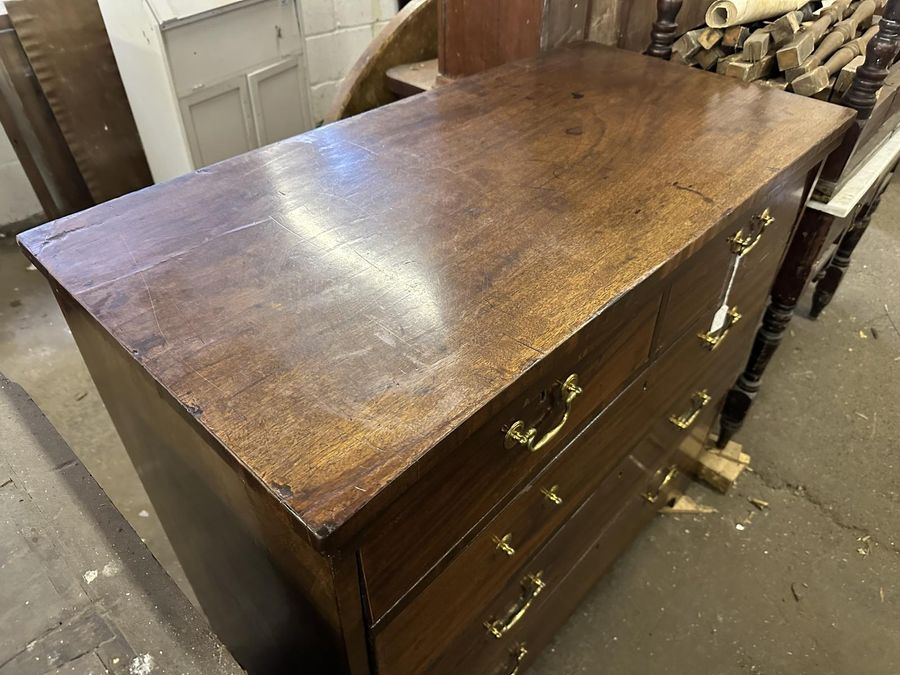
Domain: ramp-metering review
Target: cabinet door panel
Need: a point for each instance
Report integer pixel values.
(218, 123)
(216, 47)
(278, 97)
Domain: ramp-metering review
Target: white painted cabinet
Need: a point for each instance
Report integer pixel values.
(209, 79)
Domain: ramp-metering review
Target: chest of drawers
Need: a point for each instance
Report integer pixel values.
(402, 388)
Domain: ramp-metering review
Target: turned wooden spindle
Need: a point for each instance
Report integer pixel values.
(818, 79)
(803, 45)
(842, 32)
(862, 94)
(664, 31)
(880, 54)
(809, 238)
(837, 267)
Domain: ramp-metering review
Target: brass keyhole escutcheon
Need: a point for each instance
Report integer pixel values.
(552, 495)
(504, 543)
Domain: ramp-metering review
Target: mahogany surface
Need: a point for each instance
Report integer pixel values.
(335, 307)
(433, 513)
(313, 352)
(444, 607)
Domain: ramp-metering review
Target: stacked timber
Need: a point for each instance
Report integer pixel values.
(812, 49)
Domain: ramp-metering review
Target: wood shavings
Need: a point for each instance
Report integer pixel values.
(866, 548)
(686, 505)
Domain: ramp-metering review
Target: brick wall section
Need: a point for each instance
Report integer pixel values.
(337, 32)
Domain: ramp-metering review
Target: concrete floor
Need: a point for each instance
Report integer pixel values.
(37, 351)
(79, 594)
(810, 585)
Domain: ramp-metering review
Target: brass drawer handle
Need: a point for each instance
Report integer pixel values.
(698, 402)
(652, 497)
(552, 495)
(713, 338)
(742, 244)
(518, 654)
(532, 585)
(503, 543)
(517, 435)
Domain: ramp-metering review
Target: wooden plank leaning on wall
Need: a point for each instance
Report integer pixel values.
(68, 48)
(35, 136)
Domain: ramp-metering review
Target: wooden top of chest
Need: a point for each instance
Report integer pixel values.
(332, 306)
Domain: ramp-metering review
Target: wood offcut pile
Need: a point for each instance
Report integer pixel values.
(810, 48)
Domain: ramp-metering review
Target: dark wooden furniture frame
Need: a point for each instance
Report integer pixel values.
(813, 230)
(326, 487)
(814, 227)
(828, 281)
(665, 29)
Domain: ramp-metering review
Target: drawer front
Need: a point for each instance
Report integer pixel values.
(700, 285)
(580, 550)
(405, 642)
(425, 524)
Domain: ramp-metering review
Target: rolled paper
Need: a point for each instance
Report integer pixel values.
(727, 13)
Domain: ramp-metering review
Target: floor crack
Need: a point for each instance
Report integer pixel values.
(822, 507)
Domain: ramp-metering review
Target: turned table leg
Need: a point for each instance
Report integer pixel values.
(792, 278)
(827, 286)
(831, 278)
(665, 29)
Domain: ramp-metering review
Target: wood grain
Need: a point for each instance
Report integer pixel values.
(598, 527)
(454, 599)
(276, 603)
(700, 289)
(475, 35)
(336, 307)
(467, 487)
